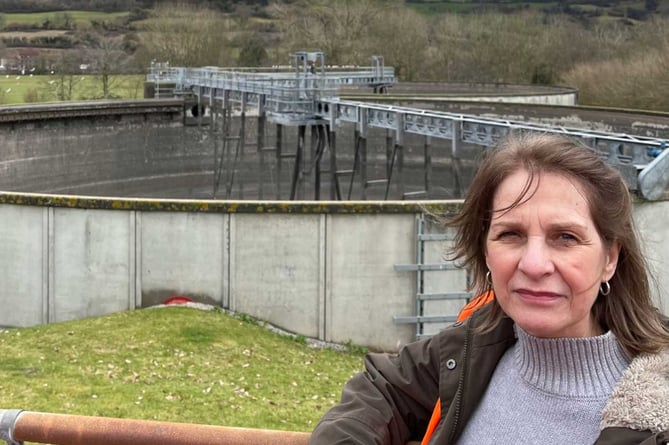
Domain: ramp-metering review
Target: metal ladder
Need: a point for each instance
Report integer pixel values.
(423, 296)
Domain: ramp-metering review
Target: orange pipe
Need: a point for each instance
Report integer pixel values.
(61, 429)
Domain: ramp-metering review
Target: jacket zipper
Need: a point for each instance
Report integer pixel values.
(461, 382)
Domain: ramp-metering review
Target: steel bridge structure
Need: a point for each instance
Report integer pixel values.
(305, 94)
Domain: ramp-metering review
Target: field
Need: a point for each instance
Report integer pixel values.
(17, 89)
(37, 19)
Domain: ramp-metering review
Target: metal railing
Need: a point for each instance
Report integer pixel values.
(17, 427)
(309, 96)
(643, 161)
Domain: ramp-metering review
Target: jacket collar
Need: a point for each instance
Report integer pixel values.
(640, 400)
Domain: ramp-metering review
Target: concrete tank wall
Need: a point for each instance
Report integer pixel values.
(319, 269)
(323, 270)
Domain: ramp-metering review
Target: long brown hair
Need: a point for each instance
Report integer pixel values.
(628, 311)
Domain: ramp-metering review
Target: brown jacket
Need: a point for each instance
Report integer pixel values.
(392, 401)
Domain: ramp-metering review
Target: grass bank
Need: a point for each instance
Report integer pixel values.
(174, 364)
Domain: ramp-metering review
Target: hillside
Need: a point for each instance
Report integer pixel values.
(455, 41)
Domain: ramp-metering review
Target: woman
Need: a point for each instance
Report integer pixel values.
(571, 349)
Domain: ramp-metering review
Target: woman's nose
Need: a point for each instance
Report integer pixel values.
(535, 260)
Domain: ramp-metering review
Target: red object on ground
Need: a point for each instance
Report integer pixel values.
(178, 299)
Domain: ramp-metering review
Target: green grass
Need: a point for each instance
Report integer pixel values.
(79, 17)
(175, 364)
(16, 89)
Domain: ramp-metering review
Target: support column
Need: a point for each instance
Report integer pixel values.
(320, 149)
(279, 141)
(400, 156)
(199, 107)
(222, 160)
(356, 159)
(455, 155)
(241, 145)
(428, 165)
(390, 144)
(295, 190)
(214, 137)
(260, 144)
(335, 193)
(361, 153)
(313, 154)
(397, 155)
(362, 147)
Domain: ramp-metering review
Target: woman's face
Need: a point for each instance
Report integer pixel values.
(545, 256)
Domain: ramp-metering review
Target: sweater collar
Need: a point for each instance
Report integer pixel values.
(587, 367)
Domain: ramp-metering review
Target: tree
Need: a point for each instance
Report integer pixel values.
(388, 37)
(66, 75)
(184, 35)
(339, 28)
(518, 48)
(107, 60)
(252, 51)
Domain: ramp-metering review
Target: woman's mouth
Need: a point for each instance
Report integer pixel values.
(537, 296)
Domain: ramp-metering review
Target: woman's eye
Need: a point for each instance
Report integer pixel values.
(567, 237)
(507, 234)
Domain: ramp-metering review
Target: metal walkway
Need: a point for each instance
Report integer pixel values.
(305, 94)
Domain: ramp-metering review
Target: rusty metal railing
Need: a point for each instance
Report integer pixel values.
(18, 426)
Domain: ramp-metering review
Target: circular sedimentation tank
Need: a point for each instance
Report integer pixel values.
(156, 148)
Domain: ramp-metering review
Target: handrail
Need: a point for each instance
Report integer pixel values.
(17, 426)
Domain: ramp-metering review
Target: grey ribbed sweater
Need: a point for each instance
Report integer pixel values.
(548, 391)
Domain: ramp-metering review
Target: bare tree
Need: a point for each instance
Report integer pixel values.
(66, 75)
(339, 28)
(107, 59)
(520, 48)
(401, 36)
(185, 35)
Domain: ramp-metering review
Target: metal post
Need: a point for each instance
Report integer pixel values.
(211, 106)
(389, 151)
(428, 165)
(320, 149)
(279, 137)
(260, 144)
(357, 156)
(400, 156)
(199, 107)
(362, 152)
(313, 154)
(332, 143)
(455, 154)
(298, 166)
(214, 136)
(223, 161)
(362, 155)
(241, 143)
